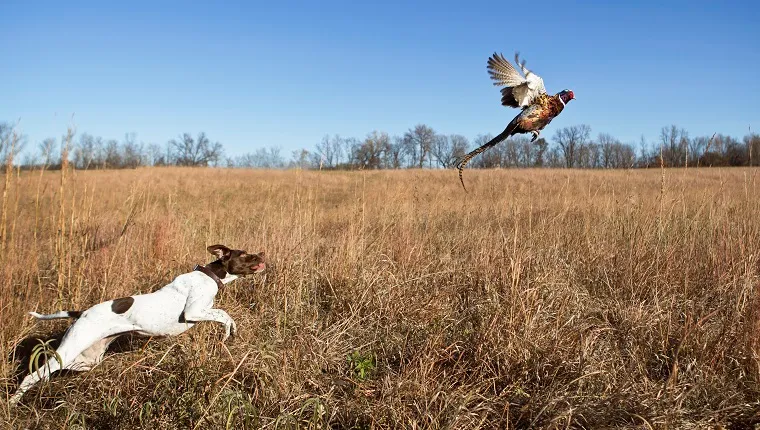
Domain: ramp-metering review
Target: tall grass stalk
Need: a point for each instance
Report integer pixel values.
(61, 237)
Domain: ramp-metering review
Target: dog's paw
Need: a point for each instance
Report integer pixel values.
(229, 331)
(14, 400)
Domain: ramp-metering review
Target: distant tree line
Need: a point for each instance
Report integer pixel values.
(419, 147)
(572, 147)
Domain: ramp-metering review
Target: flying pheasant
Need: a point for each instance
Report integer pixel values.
(526, 92)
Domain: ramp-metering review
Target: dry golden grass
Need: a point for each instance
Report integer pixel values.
(541, 299)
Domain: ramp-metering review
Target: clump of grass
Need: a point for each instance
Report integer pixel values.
(546, 299)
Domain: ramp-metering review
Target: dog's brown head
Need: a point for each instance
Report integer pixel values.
(236, 261)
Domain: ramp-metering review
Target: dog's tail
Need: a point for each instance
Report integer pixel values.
(57, 315)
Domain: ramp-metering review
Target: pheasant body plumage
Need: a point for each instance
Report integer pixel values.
(527, 93)
(538, 115)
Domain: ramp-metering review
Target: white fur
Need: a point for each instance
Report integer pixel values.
(155, 314)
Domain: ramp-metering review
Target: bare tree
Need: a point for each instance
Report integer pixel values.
(373, 153)
(541, 146)
(588, 156)
(47, 153)
(274, 157)
(459, 147)
(338, 149)
(84, 152)
(10, 145)
(526, 151)
(132, 152)
(624, 156)
(607, 145)
(157, 155)
(675, 144)
(396, 153)
(594, 154)
(348, 144)
(411, 150)
(112, 155)
(697, 148)
(195, 152)
(511, 152)
(326, 153)
(644, 156)
(448, 149)
(570, 139)
(419, 142)
(554, 157)
(441, 149)
(734, 152)
(98, 152)
(300, 159)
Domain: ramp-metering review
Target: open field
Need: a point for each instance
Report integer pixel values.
(392, 299)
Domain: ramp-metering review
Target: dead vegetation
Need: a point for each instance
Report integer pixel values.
(541, 299)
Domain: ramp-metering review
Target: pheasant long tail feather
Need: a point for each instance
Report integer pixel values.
(496, 140)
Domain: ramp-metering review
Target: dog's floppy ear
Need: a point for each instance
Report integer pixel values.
(220, 251)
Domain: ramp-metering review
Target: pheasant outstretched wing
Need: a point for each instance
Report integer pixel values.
(519, 90)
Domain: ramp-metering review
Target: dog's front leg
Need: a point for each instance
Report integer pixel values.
(211, 314)
(200, 307)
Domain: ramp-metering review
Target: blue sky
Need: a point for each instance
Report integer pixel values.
(283, 73)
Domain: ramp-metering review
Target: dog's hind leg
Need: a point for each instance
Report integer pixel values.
(82, 347)
(42, 374)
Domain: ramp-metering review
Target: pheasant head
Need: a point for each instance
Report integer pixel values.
(566, 96)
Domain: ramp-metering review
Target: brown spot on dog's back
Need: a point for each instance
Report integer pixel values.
(119, 306)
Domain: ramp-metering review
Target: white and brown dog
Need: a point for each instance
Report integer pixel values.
(170, 311)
